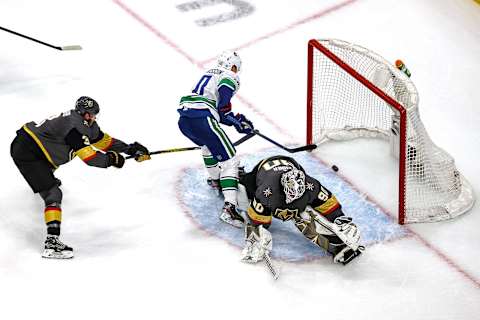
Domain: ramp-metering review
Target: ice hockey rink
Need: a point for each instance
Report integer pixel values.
(141, 251)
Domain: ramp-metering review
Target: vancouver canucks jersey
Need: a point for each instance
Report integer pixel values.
(205, 94)
(267, 197)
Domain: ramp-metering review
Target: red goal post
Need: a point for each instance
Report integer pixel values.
(353, 92)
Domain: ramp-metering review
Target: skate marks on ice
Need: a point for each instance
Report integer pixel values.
(204, 206)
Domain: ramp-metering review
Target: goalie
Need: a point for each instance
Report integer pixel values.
(279, 187)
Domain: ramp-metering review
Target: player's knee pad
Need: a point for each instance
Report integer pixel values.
(52, 197)
(229, 168)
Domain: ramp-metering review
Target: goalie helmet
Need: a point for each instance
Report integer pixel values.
(293, 182)
(228, 59)
(87, 105)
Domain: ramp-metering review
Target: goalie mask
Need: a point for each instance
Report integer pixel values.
(228, 59)
(293, 182)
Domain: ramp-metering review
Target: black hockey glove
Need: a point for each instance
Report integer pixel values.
(115, 159)
(139, 152)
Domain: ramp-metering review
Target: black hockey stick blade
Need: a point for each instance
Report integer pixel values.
(243, 139)
(73, 47)
(291, 150)
(236, 143)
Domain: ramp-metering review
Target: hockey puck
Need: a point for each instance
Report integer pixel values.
(335, 168)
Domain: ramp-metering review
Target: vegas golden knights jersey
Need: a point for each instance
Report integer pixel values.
(64, 136)
(267, 198)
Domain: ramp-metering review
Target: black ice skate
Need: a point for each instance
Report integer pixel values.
(55, 249)
(231, 216)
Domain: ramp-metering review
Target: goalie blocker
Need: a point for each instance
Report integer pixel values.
(279, 187)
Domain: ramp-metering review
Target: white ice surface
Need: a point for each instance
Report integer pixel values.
(138, 253)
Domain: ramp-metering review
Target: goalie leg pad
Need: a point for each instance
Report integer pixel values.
(343, 228)
(258, 243)
(340, 238)
(314, 232)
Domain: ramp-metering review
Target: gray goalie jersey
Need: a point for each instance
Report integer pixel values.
(267, 198)
(67, 135)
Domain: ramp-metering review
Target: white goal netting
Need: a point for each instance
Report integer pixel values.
(354, 93)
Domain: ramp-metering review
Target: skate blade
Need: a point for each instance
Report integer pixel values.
(230, 221)
(51, 254)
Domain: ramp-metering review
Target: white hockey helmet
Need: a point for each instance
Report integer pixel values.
(293, 182)
(228, 59)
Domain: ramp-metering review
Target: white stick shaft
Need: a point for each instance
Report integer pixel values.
(74, 47)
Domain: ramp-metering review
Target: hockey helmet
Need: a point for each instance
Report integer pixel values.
(86, 104)
(293, 182)
(228, 59)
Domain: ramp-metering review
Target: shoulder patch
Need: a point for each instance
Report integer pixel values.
(267, 192)
(310, 186)
(229, 82)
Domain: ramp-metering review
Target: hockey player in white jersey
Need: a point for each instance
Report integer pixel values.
(201, 111)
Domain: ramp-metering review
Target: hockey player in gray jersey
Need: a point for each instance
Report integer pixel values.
(279, 187)
(40, 148)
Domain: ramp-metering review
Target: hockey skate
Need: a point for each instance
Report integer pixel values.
(231, 216)
(55, 249)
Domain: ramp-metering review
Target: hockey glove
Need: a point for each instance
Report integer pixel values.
(239, 121)
(138, 151)
(115, 159)
(246, 125)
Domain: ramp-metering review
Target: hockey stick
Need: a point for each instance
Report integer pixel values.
(291, 150)
(270, 266)
(236, 143)
(74, 47)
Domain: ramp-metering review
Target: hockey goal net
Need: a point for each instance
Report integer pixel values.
(355, 93)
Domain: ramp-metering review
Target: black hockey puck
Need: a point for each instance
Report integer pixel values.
(335, 168)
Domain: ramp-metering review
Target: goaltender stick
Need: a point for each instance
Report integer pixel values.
(278, 187)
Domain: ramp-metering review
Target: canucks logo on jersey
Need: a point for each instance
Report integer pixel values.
(205, 96)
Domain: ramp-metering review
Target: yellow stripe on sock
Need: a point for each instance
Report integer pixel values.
(53, 214)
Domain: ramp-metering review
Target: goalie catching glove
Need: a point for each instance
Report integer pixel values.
(258, 243)
(138, 151)
(239, 121)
